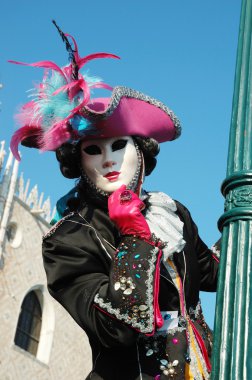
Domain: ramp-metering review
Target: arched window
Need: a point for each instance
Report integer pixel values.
(29, 324)
(11, 231)
(14, 234)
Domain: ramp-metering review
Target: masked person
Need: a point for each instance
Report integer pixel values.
(128, 265)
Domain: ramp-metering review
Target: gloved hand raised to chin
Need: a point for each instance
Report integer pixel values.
(125, 211)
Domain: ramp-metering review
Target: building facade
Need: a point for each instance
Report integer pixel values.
(38, 339)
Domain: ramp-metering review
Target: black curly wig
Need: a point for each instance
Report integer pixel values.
(69, 156)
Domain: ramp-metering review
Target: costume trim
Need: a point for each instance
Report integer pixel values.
(200, 365)
(196, 355)
(133, 293)
(57, 225)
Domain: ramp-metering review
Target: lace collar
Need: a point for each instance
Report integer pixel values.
(164, 222)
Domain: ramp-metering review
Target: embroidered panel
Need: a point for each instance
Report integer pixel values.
(132, 285)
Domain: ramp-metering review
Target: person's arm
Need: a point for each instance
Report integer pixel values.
(132, 293)
(208, 262)
(74, 277)
(134, 280)
(207, 259)
(98, 301)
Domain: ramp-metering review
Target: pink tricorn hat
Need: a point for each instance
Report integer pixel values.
(126, 113)
(62, 109)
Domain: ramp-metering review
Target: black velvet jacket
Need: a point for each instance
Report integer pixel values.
(92, 272)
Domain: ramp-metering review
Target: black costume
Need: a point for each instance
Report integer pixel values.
(86, 275)
(135, 295)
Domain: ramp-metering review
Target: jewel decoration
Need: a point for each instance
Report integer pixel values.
(125, 284)
(142, 312)
(187, 358)
(125, 197)
(164, 361)
(149, 352)
(143, 307)
(175, 340)
(117, 286)
(127, 291)
(168, 368)
(167, 316)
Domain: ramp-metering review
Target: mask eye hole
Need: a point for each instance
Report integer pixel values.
(119, 144)
(92, 150)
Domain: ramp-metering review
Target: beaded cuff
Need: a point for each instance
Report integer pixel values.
(134, 280)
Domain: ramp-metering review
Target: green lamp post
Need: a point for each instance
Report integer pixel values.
(232, 355)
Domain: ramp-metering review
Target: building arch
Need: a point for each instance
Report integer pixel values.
(29, 324)
(38, 322)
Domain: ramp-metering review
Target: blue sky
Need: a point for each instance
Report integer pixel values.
(181, 52)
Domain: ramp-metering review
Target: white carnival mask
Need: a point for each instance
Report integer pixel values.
(109, 162)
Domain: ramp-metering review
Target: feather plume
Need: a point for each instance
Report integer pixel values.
(28, 132)
(41, 64)
(90, 57)
(71, 52)
(55, 136)
(53, 116)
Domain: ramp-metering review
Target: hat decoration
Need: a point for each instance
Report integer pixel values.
(62, 109)
(53, 116)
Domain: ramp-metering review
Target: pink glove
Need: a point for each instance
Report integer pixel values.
(125, 211)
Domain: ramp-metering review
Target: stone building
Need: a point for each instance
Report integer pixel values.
(38, 339)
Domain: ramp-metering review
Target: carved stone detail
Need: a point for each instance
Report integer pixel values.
(32, 200)
(20, 187)
(47, 209)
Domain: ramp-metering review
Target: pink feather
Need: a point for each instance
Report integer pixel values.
(69, 86)
(60, 131)
(26, 114)
(78, 83)
(82, 86)
(26, 132)
(101, 85)
(43, 64)
(55, 136)
(82, 61)
(76, 53)
(68, 70)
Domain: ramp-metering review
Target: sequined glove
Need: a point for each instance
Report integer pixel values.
(125, 211)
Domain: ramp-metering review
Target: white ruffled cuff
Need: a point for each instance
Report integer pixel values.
(164, 223)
